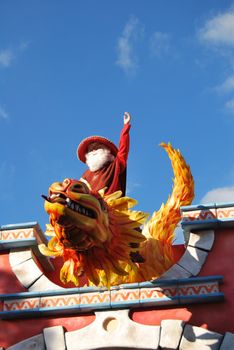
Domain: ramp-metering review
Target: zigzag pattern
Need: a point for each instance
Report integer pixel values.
(208, 214)
(17, 234)
(125, 295)
(24, 304)
(95, 298)
(203, 215)
(60, 301)
(199, 289)
(152, 293)
(225, 213)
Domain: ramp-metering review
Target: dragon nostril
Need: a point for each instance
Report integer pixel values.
(66, 182)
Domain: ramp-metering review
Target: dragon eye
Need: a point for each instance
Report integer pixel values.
(77, 188)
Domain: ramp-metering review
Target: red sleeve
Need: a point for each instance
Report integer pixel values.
(124, 144)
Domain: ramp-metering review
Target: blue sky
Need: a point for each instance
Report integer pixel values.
(70, 69)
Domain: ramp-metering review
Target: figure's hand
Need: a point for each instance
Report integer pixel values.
(127, 118)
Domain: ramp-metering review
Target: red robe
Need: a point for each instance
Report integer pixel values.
(112, 175)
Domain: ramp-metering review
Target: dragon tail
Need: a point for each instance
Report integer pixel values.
(159, 230)
(163, 222)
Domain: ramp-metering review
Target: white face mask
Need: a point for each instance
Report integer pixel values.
(98, 158)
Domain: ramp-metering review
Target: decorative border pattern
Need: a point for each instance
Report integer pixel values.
(206, 216)
(75, 300)
(17, 234)
(200, 215)
(21, 235)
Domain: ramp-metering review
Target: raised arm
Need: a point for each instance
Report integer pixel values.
(124, 142)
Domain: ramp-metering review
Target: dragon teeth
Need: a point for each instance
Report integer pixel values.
(79, 209)
(54, 195)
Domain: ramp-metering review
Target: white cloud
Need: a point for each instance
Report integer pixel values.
(229, 105)
(6, 57)
(218, 33)
(221, 194)
(3, 113)
(227, 86)
(159, 44)
(219, 30)
(126, 46)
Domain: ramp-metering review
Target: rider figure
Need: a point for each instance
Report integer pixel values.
(106, 163)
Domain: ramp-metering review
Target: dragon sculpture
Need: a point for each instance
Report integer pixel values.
(101, 236)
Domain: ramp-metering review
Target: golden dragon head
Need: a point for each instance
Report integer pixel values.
(79, 219)
(94, 233)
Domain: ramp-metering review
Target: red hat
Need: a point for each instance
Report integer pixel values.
(82, 148)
